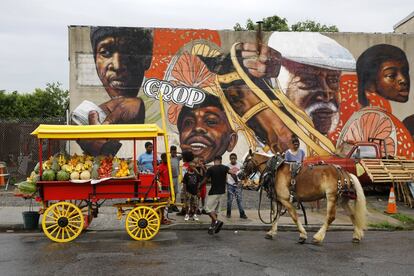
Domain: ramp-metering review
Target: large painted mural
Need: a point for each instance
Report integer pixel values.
(228, 91)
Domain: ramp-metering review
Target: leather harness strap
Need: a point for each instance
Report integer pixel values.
(229, 77)
(253, 111)
(294, 126)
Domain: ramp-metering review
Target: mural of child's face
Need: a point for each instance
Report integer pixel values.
(393, 80)
(119, 66)
(206, 132)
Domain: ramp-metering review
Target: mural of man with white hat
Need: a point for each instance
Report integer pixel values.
(310, 69)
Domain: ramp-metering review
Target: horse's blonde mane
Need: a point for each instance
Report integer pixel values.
(265, 154)
(258, 153)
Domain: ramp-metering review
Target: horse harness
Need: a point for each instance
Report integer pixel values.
(272, 165)
(345, 184)
(345, 189)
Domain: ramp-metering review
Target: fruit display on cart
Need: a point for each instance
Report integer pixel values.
(82, 168)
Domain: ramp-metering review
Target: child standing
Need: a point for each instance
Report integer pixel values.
(165, 185)
(191, 181)
(201, 170)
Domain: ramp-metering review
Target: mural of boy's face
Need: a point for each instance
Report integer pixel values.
(393, 80)
(120, 66)
(206, 132)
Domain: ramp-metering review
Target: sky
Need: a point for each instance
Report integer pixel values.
(34, 34)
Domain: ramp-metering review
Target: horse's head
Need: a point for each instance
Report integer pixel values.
(249, 166)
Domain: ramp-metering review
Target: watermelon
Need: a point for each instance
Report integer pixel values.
(48, 175)
(62, 175)
(26, 187)
(36, 168)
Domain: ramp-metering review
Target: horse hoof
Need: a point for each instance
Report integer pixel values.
(302, 240)
(316, 242)
(269, 237)
(355, 240)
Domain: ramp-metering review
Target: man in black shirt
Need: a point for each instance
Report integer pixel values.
(218, 175)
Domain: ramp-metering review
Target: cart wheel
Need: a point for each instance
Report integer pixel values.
(142, 223)
(62, 222)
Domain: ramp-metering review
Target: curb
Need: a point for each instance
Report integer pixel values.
(203, 226)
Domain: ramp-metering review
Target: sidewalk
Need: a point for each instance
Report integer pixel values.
(11, 209)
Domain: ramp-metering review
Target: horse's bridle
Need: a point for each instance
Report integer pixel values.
(255, 168)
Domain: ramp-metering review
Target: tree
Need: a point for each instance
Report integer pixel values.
(312, 26)
(271, 23)
(42, 103)
(276, 23)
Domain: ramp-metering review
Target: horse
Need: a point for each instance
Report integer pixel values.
(312, 182)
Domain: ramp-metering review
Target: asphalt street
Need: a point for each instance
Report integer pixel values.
(197, 253)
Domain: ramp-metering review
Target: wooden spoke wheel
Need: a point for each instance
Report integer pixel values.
(142, 223)
(62, 222)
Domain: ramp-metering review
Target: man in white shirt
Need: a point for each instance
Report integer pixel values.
(234, 187)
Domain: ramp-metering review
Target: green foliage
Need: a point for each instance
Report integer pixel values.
(312, 26)
(385, 226)
(403, 218)
(42, 103)
(271, 23)
(276, 23)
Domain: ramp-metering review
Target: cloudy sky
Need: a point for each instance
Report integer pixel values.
(34, 35)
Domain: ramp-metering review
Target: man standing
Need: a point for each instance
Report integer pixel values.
(145, 160)
(234, 189)
(218, 176)
(175, 170)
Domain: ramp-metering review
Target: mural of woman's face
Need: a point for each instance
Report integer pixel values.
(206, 132)
(393, 80)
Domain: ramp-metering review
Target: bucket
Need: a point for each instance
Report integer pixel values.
(31, 220)
(2, 170)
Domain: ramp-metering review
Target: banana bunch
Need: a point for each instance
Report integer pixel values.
(88, 158)
(79, 167)
(47, 165)
(88, 165)
(81, 159)
(61, 160)
(68, 168)
(123, 169)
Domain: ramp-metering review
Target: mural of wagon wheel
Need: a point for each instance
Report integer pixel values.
(376, 123)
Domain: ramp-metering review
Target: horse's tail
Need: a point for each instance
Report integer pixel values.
(360, 204)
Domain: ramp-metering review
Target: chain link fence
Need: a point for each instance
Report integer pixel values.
(20, 150)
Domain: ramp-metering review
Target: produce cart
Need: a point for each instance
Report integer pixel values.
(68, 206)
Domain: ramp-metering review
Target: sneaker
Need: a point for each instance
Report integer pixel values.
(198, 212)
(204, 212)
(243, 216)
(195, 217)
(217, 226)
(211, 230)
(187, 217)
